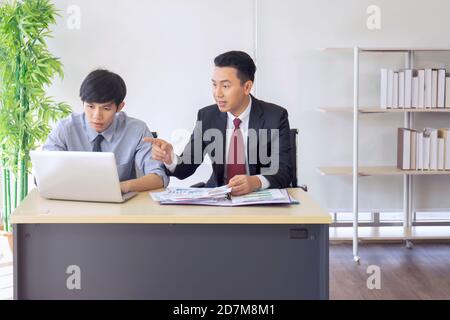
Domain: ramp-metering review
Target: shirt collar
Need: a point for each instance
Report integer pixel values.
(107, 134)
(244, 115)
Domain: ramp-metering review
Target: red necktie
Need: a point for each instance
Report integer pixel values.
(236, 158)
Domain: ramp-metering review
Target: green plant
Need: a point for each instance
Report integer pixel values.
(26, 69)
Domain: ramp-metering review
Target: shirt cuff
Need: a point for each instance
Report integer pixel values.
(171, 167)
(164, 177)
(265, 184)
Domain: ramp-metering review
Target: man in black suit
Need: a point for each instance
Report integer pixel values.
(247, 139)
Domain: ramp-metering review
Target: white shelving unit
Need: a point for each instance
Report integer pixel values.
(408, 232)
(377, 171)
(367, 110)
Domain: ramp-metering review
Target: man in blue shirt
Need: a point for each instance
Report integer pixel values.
(103, 126)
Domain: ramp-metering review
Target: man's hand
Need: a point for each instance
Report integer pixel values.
(161, 150)
(242, 184)
(125, 186)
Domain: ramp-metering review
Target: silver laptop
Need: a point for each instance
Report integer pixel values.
(73, 175)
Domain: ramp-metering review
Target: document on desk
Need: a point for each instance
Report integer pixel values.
(221, 196)
(191, 194)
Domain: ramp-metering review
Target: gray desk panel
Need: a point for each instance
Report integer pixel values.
(181, 261)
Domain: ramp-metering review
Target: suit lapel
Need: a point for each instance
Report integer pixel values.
(255, 123)
(221, 124)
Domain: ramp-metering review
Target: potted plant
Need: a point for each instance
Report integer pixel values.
(26, 69)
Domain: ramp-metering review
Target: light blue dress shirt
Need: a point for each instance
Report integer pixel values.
(123, 137)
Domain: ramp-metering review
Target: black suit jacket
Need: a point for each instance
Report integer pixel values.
(263, 115)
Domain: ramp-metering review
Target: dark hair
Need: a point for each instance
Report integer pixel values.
(239, 60)
(103, 86)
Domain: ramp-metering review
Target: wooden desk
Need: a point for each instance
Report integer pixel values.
(143, 250)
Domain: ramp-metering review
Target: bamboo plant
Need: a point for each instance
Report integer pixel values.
(27, 68)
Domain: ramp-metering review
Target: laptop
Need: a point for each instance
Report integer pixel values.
(74, 175)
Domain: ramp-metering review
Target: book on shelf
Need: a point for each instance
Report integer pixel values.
(441, 88)
(401, 89)
(428, 81)
(408, 88)
(443, 149)
(434, 87)
(433, 148)
(390, 89)
(411, 88)
(447, 92)
(413, 152)
(419, 150)
(404, 149)
(395, 93)
(421, 89)
(440, 154)
(446, 149)
(415, 92)
(428, 149)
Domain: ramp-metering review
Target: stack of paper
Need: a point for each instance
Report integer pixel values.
(198, 195)
(221, 197)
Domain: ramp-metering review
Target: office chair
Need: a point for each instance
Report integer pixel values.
(294, 184)
(294, 147)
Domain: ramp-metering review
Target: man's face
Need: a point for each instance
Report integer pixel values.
(228, 91)
(101, 115)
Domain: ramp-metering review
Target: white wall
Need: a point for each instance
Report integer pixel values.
(164, 51)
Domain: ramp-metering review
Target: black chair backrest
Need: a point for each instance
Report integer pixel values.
(293, 137)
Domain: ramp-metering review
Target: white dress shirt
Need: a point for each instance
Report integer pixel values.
(244, 117)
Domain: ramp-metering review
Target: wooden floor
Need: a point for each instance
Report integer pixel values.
(6, 281)
(420, 273)
(6, 270)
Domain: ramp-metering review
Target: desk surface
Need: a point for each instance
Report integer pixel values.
(142, 209)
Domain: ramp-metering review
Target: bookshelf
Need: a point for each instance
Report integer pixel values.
(386, 49)
(363, 110)
(407, 232)
(377, 171)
